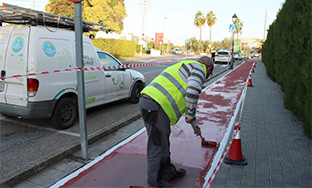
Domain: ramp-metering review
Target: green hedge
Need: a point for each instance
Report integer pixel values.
(116, 47)
(287, 56)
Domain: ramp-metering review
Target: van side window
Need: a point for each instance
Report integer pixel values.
(107, 60)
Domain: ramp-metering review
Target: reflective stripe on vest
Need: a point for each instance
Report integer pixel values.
(168, 89)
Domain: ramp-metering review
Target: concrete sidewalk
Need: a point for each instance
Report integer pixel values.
(277, 151)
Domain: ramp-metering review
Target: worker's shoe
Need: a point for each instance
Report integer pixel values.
(180, 173)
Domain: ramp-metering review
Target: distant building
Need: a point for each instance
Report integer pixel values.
(159, 37)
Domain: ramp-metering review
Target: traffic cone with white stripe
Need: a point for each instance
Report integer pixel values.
(252, 70)
(235, 155)
(249, 81)
(254, 65)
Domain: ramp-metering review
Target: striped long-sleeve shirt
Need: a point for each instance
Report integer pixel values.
(194, 75)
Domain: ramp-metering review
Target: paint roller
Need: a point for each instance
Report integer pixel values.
(204, 142)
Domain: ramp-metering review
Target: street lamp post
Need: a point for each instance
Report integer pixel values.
(234, 17)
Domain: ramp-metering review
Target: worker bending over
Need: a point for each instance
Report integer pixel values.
(172, 93)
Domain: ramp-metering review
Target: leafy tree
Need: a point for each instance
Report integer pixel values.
(226, 43)
(204, 45)
(150, 45)
(110, 12)
(60, 7)
(210, 20)
(199, 21)
(193, 44)
(216, 45)
(287, 56)
(240, 25)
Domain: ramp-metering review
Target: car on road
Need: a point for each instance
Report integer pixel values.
(177, 51)
(223, 56)
(254, 55)
(45, 59)
(237, 56)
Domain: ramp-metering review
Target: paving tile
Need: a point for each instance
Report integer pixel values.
(277, 151)
(54, 173)
(42, 180)
(292, 182)
(27, 183)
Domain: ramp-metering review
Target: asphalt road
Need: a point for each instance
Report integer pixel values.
(26, 143)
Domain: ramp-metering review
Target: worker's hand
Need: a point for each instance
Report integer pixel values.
(197, 131)
(195, 126)
(189, 120)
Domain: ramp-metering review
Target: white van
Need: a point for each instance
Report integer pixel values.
(28, 49)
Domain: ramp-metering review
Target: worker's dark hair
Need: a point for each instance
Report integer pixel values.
(207, 61)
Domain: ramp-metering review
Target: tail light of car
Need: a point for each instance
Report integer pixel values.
(217, 55)
(32, 87)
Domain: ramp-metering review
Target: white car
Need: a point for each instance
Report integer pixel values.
(223, 56)
(45, 57)
(177, 51)
(237, 56)
(254, 55)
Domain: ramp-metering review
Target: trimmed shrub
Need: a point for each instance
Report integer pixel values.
(287, 56)
(116, 47)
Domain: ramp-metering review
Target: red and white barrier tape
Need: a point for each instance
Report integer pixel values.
(215, 171)
(89, 69)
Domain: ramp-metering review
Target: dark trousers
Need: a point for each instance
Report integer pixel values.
(159, 167)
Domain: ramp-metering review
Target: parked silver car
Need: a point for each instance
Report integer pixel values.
(237, 56)
(223, 56)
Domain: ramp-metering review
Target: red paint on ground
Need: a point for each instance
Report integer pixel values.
(127, 164)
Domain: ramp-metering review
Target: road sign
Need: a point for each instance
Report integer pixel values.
(187, 41)
(233, 28)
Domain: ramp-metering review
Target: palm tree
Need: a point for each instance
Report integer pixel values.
(199, 21)
(210, 20)
(240, 25)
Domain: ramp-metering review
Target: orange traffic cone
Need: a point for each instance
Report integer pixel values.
(249, 81)
(235, 155)
(252, 70)
(254, 65)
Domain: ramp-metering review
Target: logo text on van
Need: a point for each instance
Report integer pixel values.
(18, 44)
(49, 48)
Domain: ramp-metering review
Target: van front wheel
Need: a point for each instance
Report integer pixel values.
(65, 113)
(135, 93)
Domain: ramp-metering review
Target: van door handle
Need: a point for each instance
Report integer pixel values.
(108, 75)
(2, 74)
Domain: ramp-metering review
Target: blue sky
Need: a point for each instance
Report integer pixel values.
(179, 22)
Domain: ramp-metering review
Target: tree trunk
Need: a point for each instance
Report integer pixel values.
(200, 36)
(210, 34)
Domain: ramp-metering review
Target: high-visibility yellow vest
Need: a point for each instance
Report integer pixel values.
(168, 90)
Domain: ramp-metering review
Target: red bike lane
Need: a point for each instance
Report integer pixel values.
(125, 164)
